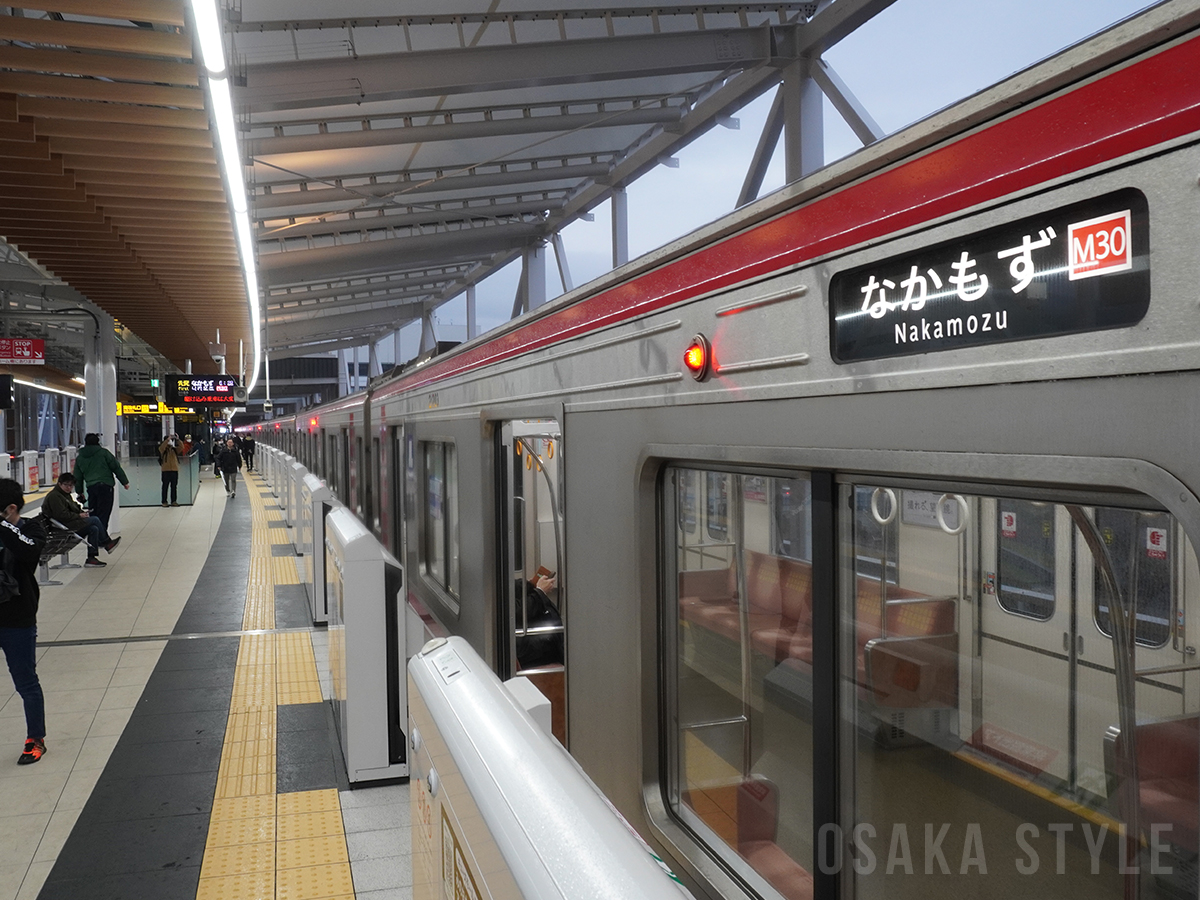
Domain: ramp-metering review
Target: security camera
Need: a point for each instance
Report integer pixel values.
(266, 406)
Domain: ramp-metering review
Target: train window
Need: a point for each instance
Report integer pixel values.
(686, 506)
(1141, 549)
(790, 517)
(439, 532)
(716, 506)
(875, 527)
(1025, 562)
(740, 631)
(968, 724)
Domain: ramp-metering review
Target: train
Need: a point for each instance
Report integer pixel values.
(862, 522)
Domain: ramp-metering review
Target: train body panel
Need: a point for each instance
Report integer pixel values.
(919, 550)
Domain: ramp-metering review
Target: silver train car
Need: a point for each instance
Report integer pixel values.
(854, 536)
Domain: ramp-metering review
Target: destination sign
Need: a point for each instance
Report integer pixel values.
(1080, 268)
(194, 390)
(152, 409)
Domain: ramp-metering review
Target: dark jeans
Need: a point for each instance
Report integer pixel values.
(100, 500)
(19, 645)
(95, 532)
(249, 460)
(171, 480)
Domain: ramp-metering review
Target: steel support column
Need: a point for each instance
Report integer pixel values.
(472, 321)
(620, 227)
(803, 122)
(534, 261)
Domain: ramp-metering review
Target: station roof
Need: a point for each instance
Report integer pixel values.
(391, 160)
(108, 177)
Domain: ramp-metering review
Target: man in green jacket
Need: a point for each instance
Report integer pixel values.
(94, 468)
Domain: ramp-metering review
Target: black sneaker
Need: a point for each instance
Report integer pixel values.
(94, 562)
(35, 749)
(112, 545)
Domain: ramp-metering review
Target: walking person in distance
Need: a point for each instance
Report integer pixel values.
(229, 462)
(97, 470)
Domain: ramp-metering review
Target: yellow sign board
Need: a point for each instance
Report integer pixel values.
(152, 409)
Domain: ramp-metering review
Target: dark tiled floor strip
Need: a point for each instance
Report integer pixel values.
(142, 833)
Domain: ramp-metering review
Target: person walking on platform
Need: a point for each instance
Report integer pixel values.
(94, 469)
(248, 452)
(229, 462)
(60, 507)
(169, 452)
(23, 539)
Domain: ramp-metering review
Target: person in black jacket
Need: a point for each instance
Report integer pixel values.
(23, 540)
(229, 462)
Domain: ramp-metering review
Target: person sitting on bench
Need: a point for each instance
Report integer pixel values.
(61, 506)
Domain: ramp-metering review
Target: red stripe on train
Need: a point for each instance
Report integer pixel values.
(1137, 107)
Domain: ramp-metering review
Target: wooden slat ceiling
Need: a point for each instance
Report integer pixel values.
(108, 173)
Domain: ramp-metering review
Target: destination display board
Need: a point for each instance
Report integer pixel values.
(152, 409)
(1079, 268)
(200, 390)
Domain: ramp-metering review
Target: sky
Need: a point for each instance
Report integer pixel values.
(913, 59)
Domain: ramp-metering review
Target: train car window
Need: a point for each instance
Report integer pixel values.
(439, 531)
(975, 734)
(791, 514)
(1025, 563)
(716, 505)
(740, 631)
(376, 485)
(1141, 547)
(686, 506)
(875, 533)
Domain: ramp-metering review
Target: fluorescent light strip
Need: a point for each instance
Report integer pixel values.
(46, 387)
(208, 29)
(212, 49)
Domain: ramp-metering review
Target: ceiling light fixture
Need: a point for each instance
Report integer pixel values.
(212, 51)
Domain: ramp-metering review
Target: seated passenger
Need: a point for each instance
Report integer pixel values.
(61, 506)
(537, 650)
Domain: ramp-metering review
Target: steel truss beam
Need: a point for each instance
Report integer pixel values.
(434, 73)
(334, 325)
(384, 192)
(696, 11)
(437, 215)
(395, 136)
(372, 257)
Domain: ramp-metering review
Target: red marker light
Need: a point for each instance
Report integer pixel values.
(312, 423)
(697, 357)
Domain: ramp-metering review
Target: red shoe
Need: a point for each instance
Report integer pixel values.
(35, 749)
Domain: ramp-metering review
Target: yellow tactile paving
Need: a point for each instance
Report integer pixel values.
(328, 849)
(250, 886)
(314, 824)
(263, 845)
(307, 802)
(312, 882)
(239, 859)
(243, 808)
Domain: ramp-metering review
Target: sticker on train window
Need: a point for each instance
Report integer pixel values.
(1076, 269)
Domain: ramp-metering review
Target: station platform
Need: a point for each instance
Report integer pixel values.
(190, 747)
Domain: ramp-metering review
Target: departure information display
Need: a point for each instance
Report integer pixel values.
(200, 390)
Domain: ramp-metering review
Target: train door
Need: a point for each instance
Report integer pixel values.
(1026, 642)
(532, 611)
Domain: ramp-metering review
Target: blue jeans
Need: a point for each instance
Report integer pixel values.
(93, 529)
(20, 645)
